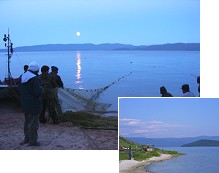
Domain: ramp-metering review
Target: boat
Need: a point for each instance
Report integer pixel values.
(8, 86)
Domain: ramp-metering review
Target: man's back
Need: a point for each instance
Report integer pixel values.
(48, 84)
(57, 79)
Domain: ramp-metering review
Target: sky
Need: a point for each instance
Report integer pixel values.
(142, 22)
(168, 117)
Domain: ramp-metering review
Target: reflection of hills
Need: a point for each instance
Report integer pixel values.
(108, 46)
(169, 142)
(203, 143)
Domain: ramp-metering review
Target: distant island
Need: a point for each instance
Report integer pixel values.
(109, 47)
(203, 143)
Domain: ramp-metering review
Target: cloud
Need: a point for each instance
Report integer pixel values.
(161, 124)
(135, 127)
(129, 122)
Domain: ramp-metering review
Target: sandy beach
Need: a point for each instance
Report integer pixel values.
(133, 166)
(64, 136)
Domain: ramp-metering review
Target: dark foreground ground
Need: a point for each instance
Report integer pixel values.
(64, 136)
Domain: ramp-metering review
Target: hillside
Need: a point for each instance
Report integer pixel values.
(127, 143)
(203, 143)
(108, 47)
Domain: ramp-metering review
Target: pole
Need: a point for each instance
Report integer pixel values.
(9, 57)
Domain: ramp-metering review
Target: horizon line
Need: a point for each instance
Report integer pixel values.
(112, 43)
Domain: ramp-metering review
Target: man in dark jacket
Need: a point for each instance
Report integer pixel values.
(59, 84)
(164, 93)
(198, 82)
(54, 74)
(31, 92)
(49, 85)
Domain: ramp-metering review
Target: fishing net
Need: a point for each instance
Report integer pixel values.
(80, 100)
(84, 99)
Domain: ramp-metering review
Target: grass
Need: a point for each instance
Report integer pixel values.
(141, 155)
(138, 155)
(88, 120)
(123, 155)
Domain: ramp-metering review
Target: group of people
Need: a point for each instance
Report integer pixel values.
(185, 90)
(39, 93)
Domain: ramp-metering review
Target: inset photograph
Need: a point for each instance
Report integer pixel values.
(166, 135)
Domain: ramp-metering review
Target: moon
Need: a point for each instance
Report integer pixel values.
(78, 34)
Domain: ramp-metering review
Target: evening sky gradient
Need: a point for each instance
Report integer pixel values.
(141, 22)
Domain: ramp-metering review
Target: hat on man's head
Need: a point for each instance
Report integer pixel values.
(33, 66)
(54, 68)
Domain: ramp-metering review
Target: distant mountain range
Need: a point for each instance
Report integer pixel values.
(109, 47)
(203, 143)
(170, 142)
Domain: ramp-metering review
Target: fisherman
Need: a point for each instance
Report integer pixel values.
(130, 153)
(186, 91)
(54, 74)
(198, 82)
(59, 84)
(48, 84)
(18, 80)
(31, 92)
(25, 68)
(164, 92)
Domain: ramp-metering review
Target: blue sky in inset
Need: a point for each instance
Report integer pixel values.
(168, 117)
(141, 22)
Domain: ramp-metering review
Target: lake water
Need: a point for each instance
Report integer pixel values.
(143, 72)
(196, 160)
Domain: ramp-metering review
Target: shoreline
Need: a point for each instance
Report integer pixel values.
(133, 166)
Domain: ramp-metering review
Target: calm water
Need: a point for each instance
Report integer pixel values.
(144, 71)
(196, 160)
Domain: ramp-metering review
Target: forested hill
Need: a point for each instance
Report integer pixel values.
(109, 47)
(203, 143)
